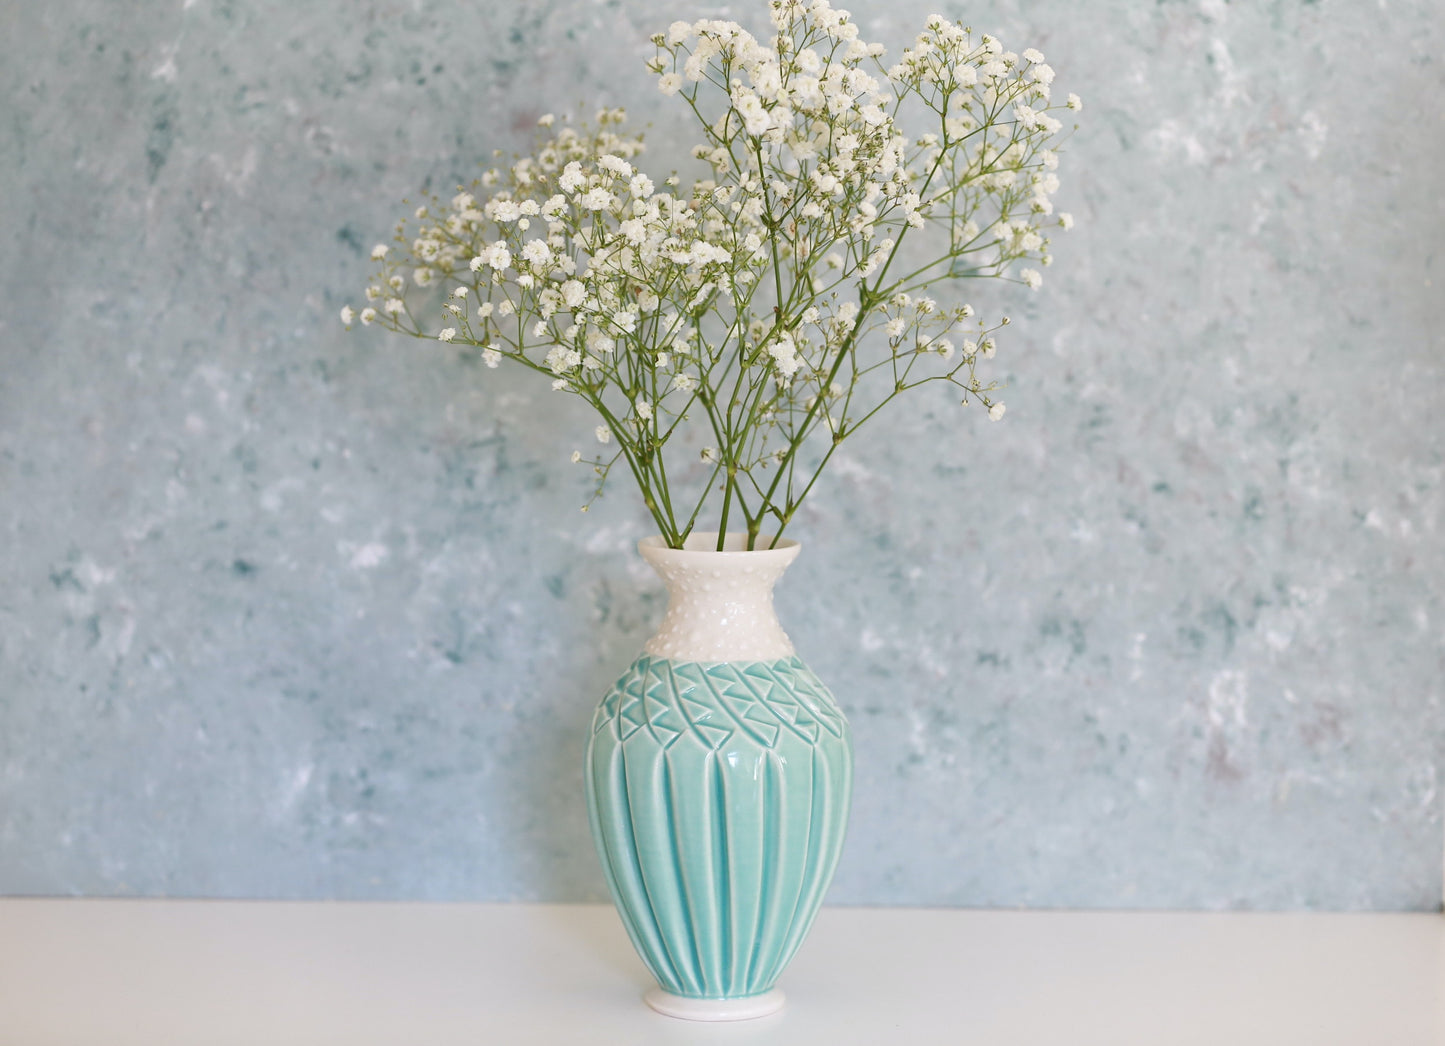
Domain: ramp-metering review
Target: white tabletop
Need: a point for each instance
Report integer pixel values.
(252, 973)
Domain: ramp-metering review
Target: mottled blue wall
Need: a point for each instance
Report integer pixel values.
(291, 612)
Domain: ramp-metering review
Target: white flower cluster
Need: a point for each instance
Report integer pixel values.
(774, 300)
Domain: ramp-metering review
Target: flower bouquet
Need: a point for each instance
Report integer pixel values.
(730, 333)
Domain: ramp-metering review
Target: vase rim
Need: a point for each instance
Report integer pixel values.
(705, 544)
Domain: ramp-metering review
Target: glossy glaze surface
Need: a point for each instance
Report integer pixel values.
(718, 795)
(718, 781)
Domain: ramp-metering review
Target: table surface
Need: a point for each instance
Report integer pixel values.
(161, 972)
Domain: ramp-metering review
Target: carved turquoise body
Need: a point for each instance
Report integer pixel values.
(718, 796)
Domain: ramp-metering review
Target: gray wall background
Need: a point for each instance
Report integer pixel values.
(291, 612)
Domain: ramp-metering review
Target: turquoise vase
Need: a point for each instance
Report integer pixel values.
(718, 774)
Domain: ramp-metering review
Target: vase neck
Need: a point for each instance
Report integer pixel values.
(720, 604)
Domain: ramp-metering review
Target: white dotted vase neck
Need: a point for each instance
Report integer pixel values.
(720, 604)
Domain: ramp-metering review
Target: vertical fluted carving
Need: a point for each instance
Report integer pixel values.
(718, 796)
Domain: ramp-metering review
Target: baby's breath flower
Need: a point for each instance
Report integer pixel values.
(996, 411)
(758, 284)
(572, 177)
(536, 252)
(562, 359)
(596, 199)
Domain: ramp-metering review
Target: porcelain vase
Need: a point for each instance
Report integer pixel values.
(718, 775)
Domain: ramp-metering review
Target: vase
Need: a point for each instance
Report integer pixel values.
(718, 775)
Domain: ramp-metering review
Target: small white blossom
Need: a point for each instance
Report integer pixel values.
(603, 434)
(1032, 277)
(379, 252)
(491, 357)
(596, 199)
(669, 83)
(447, 334)
(996, 411)
(576, 456)
(572, 177)
(562, 359)
(347, 315)
(368, 317)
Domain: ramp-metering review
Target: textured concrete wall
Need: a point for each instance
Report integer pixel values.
(291, 612)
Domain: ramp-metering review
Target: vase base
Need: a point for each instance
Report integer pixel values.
(745, 1009)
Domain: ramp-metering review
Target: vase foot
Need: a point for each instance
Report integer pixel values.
(744, 1009)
